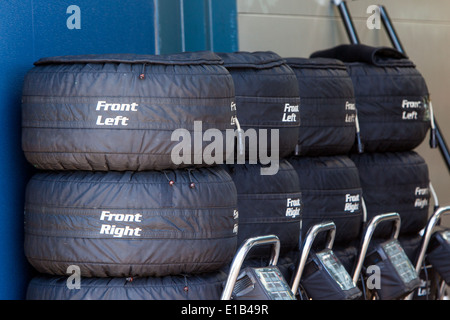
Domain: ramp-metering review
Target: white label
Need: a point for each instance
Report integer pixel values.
(119, 120)
(290, 113)
(293, 207)
(421, 195)
(351, 202)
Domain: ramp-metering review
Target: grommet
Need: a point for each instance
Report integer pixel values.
(192, 185)
(171, 182)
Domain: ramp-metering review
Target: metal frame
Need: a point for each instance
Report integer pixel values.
(241, 255)
(428, 232)
(429, 229)
(330, 227)
(367, 237)
(347, 19)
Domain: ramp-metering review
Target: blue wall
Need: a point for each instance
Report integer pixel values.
(32, 29)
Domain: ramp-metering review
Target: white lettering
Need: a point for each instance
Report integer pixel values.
(421, 191)
(293, 202)
(102, 105)
(349, 118)
(351, 202)
(409, 115)
(258, 147)
(74, 281)
(292, 109)
(293, 207)
(106, 215)
(119, 120)
(421, 203)
(349, 106)
(119, 232)
(374, 278)
(193, 310)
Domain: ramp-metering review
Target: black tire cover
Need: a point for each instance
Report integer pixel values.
(94, 112)
(268, 204)
(331, 191)
(391, 96)
(205, 286)
(116, 224)
(395, 182)
(267, 97)
(328, 110)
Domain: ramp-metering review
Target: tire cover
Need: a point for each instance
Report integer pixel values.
(327, 110)
(391, 96)
(267, 97)
(267, 204)
(207, 286)
(116, 224)
(94, 112)
(331, 191)
(395, 182)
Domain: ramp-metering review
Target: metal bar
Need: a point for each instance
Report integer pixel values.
(443, 148)
(429, 229)
(240, 257)
(390, 29)
(306, 248)
(367, 237)
(436, 132)
(347, 19)
(432, 223)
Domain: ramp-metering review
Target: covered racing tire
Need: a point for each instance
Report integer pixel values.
(120, 224)
(267, 98)
(268, 204)
(331, 191)
(206, 286)
(125, 112)
(392, 97)
(395, 182)
(327, 112)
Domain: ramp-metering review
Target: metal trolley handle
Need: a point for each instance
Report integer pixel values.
(392, 216)
(330, 227)
(241, 255)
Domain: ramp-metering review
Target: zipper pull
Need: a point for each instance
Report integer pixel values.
(142, 74)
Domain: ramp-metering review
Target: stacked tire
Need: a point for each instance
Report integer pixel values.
(108, 199)
(329, 180)
(392, 103)
(269, 198)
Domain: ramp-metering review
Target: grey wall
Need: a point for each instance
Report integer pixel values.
(300, 27)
